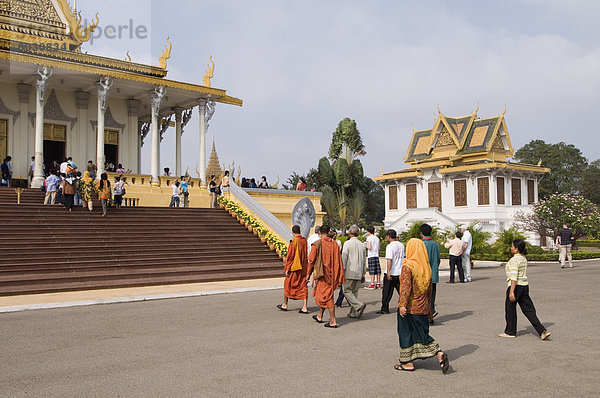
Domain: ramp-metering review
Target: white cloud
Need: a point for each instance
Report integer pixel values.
(302, 66)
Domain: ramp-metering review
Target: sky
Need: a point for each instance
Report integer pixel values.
(302, 66)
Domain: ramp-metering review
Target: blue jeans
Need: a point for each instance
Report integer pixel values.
(341, 297)
(174, 201)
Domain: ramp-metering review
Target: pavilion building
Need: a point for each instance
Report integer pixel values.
(460, 172)
(56, 101)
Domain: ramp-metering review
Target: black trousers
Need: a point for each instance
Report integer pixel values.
(433, 289)
(68, 200)
(388, 291)
(526, 304)
(456, 261)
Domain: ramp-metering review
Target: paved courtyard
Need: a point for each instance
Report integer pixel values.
(240, 345)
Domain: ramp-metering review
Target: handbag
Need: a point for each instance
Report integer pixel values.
(297, 264)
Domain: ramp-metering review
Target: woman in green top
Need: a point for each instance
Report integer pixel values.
(518, 292)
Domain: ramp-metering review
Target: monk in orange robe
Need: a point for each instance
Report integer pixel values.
(294, 286)
(326, 261)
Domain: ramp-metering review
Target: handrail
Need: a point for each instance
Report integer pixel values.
(272, 222)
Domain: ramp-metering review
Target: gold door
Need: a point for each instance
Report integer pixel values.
(435, 195)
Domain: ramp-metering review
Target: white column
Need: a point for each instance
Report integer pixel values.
(82, 100)
(44, 74)
(178, 132)
(202, 111)
(156, 97)
(104, 86)
(22, 127)
(133, 136)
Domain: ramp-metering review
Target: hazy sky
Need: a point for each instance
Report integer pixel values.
(302, 66)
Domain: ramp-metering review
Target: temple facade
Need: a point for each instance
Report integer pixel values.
(56, 101)
(459, 173)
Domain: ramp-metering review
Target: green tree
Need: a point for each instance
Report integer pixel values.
(565, 161)
(548, 216)
(590, 182)
(414, 231)
(505, 238)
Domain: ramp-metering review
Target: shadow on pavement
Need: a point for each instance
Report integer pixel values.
(452, 317)
(531, 330)
(461, 351)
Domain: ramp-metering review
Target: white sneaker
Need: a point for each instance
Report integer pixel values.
(508, 336)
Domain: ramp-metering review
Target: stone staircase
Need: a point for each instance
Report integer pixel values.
(47, 249)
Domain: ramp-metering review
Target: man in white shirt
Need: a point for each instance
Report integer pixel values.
(63, 167)
(466, 257)
(372, 245)
(394, 255)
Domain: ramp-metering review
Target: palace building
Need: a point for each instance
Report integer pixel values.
(460, 172)
(56, 101)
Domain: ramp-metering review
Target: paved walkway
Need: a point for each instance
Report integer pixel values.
(240, 345)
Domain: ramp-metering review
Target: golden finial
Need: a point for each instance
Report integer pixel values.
(504, 113)
(128, 57)
(74, 20)
(381, 172)
(476, 109)
(276, 185)
(412, 126)
(540, 163)
(209, 72)
(438, 109)
(166, 54)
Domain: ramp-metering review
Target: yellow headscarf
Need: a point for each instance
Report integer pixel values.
(418, 261)
(86, 177)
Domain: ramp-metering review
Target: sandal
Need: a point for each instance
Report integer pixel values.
(401, 367)
(444, 363)
(281, 307)
(303, 312)
(329, 325)
(317, 319)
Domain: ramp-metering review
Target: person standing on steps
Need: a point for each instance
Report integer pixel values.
(433, 254)
(372, 245)
(355, 266)
(69, 188)
(175, 194)
(185, 186)
(413, 310)
(214, 191)
(564, 240)
(296, 265)
(394, 254)
(86, 189)
(466, 256)
(518, 292)
(104, 192)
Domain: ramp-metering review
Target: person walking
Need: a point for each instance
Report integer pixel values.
(5, 173)
(119, 191)
(296, 265)
(355, 265)
(175, 194)
(433, 254)
(325, 260)
(51, 187)
(466, 256)
(104, 192)
(312, 239)
(86, 190)
(413, 310)
(456, 247)
(518, 292)
(91, 169)
(564, 240)
(372, 245)
(69, 188)
(394, 254)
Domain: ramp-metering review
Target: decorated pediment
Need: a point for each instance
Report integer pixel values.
(44, 22)
(452, 138)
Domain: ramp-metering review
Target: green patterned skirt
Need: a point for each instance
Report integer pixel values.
(415, 341)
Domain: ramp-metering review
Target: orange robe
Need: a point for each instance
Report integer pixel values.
(294, 286)
(333, 272)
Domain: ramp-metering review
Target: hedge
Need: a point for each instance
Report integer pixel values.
(577, 255)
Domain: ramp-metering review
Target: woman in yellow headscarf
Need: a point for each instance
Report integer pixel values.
(413, 310)
(86, 190)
